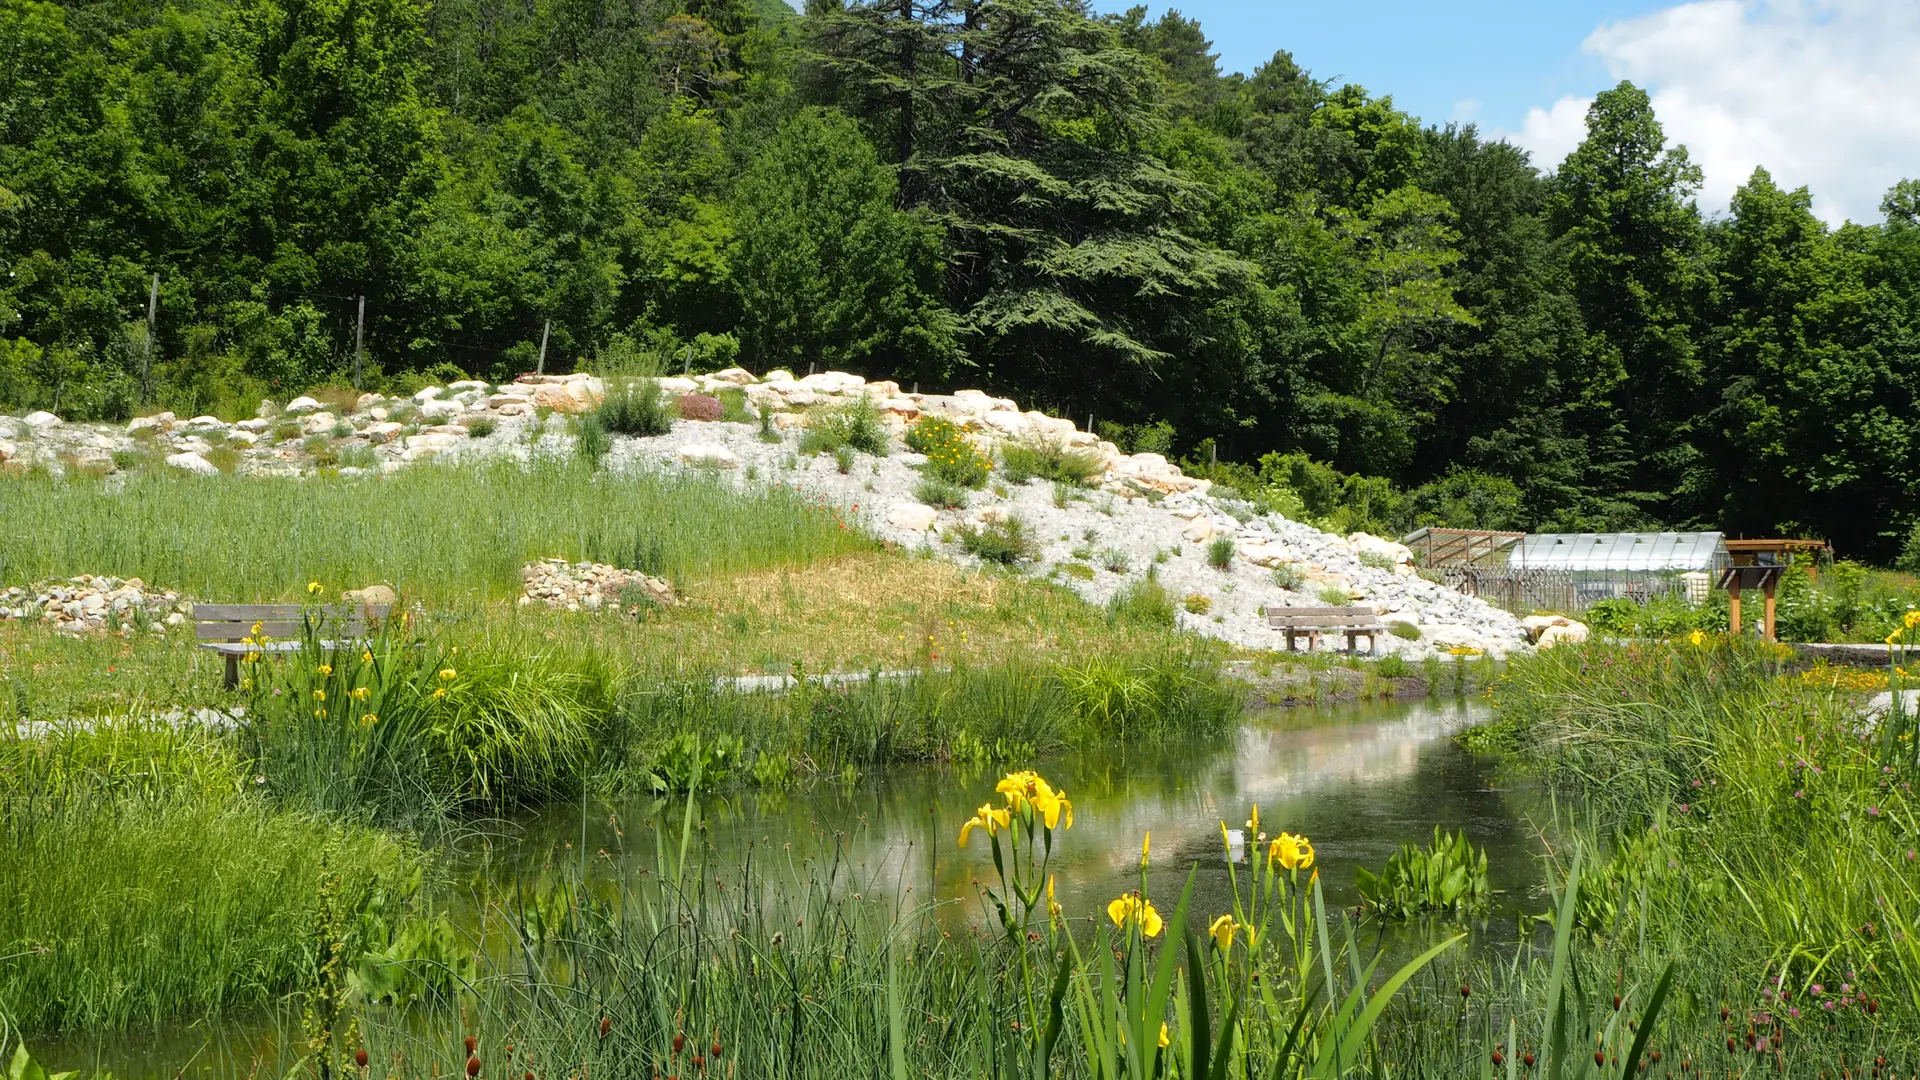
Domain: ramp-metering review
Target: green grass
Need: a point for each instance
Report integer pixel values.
(150, 881)
(1051, 461)
(436, 533)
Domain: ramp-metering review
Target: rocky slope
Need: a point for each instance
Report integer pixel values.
(1141, 515)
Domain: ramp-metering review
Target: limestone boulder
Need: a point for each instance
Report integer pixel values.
(913, 517)
(41, 420)
(302, 405)
(192, 463)
(383, 431)
(1567, 632)
(373, 595)
(318, 423)
(706, 455)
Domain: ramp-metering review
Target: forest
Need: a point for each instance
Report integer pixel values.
(207, 202)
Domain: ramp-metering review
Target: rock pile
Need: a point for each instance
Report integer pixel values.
(588, 586)
(90, 603)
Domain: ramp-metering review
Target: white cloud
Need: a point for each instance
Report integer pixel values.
(1465, 111)
(1820, 92)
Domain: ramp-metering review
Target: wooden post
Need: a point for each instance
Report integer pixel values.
(540, 368)
(1768, 590)
(153, 321)
(1733, 608)
(359, 339)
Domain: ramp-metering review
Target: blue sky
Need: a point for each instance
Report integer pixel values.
(1488, 61)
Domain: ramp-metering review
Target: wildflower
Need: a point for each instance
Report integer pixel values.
(1132, 908)
(1164, 1040)
(256, 629)
(1146, 841)
(325, 669)
(439, 692)
(986, 818)
(319, 695)
(447, 674)
(1222, 932)
(361, 693)
(369, 720)
(366, 656)
(313, 588)
(1055, 916)
(1290, 851)
(1698, 637)
(1912, 620)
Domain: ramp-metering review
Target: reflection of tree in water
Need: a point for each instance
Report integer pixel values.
(1360, 784)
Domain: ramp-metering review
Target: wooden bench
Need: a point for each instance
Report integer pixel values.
(225, 628)
(1311, 622)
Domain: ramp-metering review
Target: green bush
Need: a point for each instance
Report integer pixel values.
(1334, 596)
(1078, 570)
(1145, 602)
(1405, 631)
(1376, 560)
(856, 424)
(591, 439)
(733, 406)
(1288, 576)
(951, 455)
(634, 407)
(1197, 603)
(937, 492)
(1392, 666)
(1220, 552)
(1007, 541)
(1049, 460)
(482, 426)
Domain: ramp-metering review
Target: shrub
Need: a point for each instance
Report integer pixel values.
(1049, 460)
(856, 424)
(733, 406)
(1405, 631)
(1377, 560)
(951, 456)
(1334, 596)
(937, 492)
(1143, 603)
(1197, 603)
(700, 407)
(1287, 576)
(634, 407)
(591, 438)
(843, 459)
(1392, 666)
(482, 426)
(1220, 552)
(1007, 541)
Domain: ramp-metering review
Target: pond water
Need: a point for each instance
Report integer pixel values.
(1358, 780)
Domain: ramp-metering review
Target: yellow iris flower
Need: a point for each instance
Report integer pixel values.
(447, 673)
(1164, 1039)
(1913, 620)
(361, 693)
(1029, 788)
(1222, 932)
(1131, 908)
(325, 669)
(313, 588)
(986, 818)
(439, 692)
(1697, 637)
(1290, 852)
(319, 695)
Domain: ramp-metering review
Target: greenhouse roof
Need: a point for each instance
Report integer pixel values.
(1621, 551)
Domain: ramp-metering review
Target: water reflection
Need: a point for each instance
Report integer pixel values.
(1359, 781)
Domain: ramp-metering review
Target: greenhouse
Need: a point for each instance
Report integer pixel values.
(1573, 571)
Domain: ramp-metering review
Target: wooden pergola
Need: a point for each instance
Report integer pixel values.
(1765, 578)
(1776, 551)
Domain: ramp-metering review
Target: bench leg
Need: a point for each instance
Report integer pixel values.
(232, 678)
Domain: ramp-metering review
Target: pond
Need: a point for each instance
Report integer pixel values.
(1358, 780)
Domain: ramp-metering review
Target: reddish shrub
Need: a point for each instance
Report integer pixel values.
(700, 407)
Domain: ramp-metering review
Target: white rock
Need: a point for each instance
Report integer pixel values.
(1572, 633)
(439, 409)
(779, 375)
(708, 455)
(205, 423)
(429, 442)
(675, 384)
(255, 425)
(913, 517)
(157, 422)
(192, 463)
(1199, 530)
(738, 376)
(302, 404)
(425, 394)
(8, 450)
(466, 384)
(318, 423)
(242, 436)
(40, 421)
(366, 401)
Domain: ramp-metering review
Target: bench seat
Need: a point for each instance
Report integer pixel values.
(1311, 622)
(227, 630)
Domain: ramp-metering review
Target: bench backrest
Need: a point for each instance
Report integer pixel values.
(1320, 618)
(232, 622)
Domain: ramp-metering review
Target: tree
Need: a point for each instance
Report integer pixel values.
(1631, 238)
(828, 270)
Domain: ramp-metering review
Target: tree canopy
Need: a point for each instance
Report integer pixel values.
(1078, 210)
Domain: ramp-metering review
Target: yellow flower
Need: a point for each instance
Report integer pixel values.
(313, 588)
(1895, 636)
(369, 720)
(366, 656)
(1697, 637)
(325, 669)
(1913, 620)
(319, 712)
(256, 629)
(319, 695)
(1253, 822)
(1131, 908)
(986, 818)
(439, 692)
(1028, 788)
(1222, 932)
(1055, 915)
(246, 684)
(1290, 851)
(447, 674)
(361, 693)
(1164, 1040)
